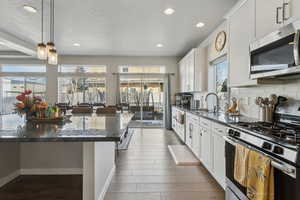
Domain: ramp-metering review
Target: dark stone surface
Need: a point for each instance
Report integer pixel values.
(221, 118)
(81, 128)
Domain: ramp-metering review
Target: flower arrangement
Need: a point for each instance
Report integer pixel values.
(34, 107)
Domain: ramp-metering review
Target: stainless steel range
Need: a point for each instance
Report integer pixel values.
(280, 142)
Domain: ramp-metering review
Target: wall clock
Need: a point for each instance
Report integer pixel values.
(220, 41)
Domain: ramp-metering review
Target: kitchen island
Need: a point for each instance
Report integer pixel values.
(22, 144)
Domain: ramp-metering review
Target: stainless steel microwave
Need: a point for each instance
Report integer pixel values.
(277, 54)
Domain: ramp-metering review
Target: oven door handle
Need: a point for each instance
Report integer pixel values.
(287, 169)
(296, 48)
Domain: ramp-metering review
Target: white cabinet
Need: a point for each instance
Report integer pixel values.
(192, 71)
(178, 122)
(241, 33)
(193, 133)
(292, 10)
(269, 16)
(205, 139)
(272, 14)
(218, 148)
(201, 70)
(206, 147)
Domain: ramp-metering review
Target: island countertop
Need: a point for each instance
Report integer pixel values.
(81, 128)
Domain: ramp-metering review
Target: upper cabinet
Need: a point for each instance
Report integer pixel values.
(269, 16)
(193, 71)
(291, 10)
(273, 14)
(242, 32)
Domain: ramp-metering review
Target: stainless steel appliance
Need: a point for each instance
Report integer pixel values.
(277, 54)
(280, 142)
(184, 100)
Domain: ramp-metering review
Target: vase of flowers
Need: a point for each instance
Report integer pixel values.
(29, 105)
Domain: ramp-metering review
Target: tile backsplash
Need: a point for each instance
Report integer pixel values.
(247, 96)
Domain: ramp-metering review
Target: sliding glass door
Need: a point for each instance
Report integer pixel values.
(143, 95)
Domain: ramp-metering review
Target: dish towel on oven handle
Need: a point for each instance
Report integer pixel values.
(260, 179)
(241, 164)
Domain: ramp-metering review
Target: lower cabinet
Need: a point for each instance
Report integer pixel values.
(206, 148)
(218, 170)
(178, 123)
(205, 139)
(196, 142)
(212, 145)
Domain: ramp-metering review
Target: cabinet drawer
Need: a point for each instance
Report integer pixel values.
(219, 129)
(205, 123)
(192, 118)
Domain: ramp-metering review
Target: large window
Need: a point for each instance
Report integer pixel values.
(16, 79)
(81, 84)
(76, 90)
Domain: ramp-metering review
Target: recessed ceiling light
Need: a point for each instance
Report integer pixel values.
(30, 9)
(200, 25)
(169, 11)
(159, 45)
(76, 44)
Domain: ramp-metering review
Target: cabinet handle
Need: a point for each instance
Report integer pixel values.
(277, 15)
(285, 6)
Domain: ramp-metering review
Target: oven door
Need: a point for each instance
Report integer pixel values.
(278, 58)
(286, 185)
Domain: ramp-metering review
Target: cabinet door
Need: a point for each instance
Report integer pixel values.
(269, 16)
(242, 32)
(196, 140)
(206, 148)
(182, 75)
(291, 9)
(219, 158)
(191, 73)
(200, 75)
(189, 134)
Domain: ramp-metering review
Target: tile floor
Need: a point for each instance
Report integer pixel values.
(146, 171)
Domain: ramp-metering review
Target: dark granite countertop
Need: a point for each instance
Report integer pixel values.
(81, 128)
(221, 118)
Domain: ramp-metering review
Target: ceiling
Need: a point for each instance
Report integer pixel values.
(117, 27)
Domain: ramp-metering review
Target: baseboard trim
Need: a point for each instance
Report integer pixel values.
(107, 183)
(9, 178)
(54, 171)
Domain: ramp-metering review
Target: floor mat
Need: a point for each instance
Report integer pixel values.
(183, 156)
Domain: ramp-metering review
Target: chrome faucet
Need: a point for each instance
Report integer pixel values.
(216, 108)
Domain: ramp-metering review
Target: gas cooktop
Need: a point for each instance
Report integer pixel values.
(280, 131)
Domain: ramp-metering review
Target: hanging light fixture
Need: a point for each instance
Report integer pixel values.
(52, 53)
(41, 48)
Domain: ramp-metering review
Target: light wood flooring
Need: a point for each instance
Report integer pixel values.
(146, 171)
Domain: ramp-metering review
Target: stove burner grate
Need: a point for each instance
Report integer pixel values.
(280, 131)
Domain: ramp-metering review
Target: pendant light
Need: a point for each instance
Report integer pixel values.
(52, 54)
(41, 48)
